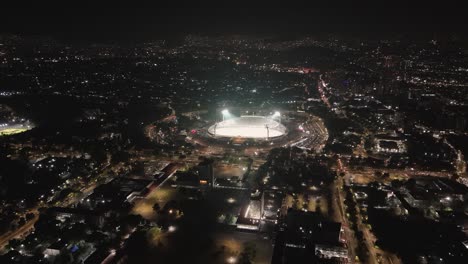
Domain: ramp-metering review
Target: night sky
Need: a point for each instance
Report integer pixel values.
(104, 20)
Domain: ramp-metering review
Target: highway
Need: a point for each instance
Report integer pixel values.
(19, 232)
(376, 255)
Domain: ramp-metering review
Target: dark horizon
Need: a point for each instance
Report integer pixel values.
(118, 22)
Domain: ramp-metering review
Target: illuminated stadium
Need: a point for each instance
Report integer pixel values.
(248, 127)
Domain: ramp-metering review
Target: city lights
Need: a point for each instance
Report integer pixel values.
(196, 144)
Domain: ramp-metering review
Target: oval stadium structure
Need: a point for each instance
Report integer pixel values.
(248, 127)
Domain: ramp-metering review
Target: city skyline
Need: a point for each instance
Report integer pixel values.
(149, 134)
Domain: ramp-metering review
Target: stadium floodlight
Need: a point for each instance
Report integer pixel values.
(225, 113)
(277, 114)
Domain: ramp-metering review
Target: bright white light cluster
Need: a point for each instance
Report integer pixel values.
(248, 127)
